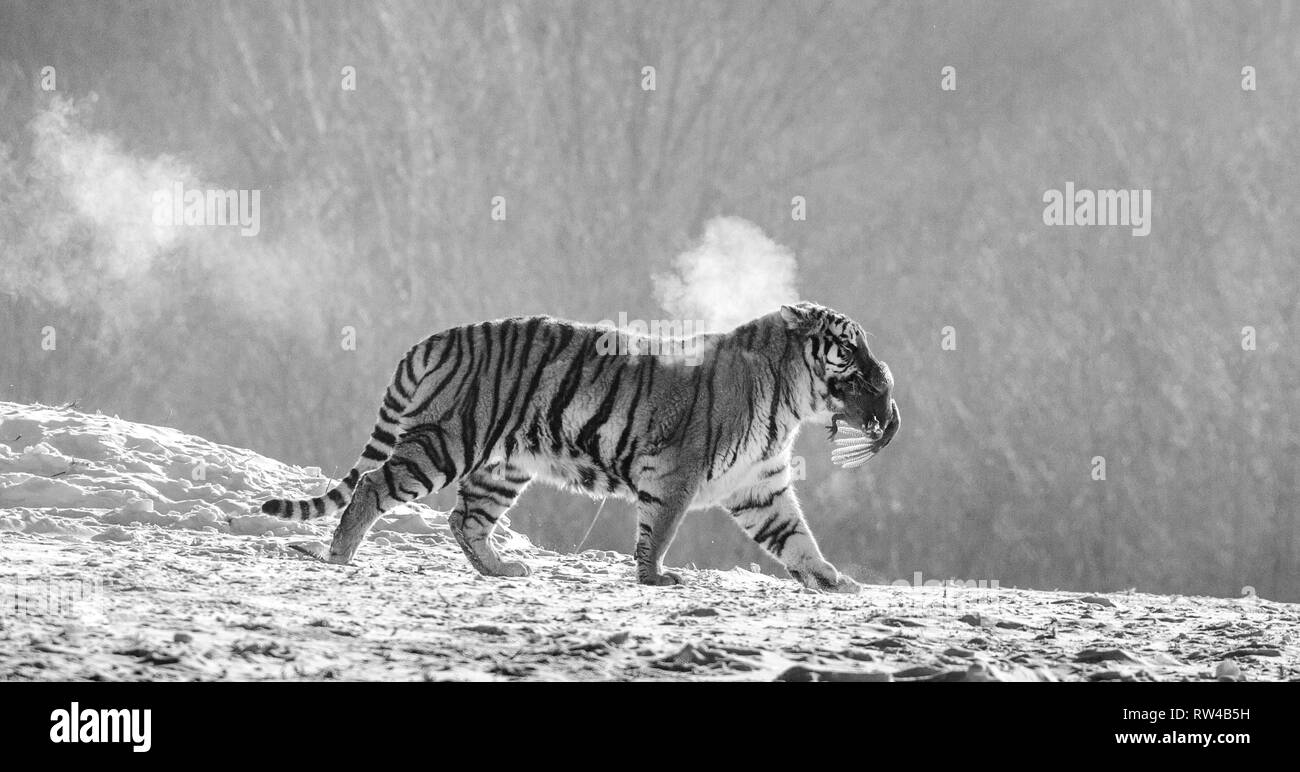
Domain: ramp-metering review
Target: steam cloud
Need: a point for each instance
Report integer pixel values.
(734, 274)
(81, 217)
(77, 220)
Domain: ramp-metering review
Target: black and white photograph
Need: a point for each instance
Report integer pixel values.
(574, 341)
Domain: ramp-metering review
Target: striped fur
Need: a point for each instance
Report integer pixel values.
(494, 405)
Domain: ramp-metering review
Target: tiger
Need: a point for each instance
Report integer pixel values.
(604, 411)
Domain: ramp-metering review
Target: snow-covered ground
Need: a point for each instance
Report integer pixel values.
(137, 552)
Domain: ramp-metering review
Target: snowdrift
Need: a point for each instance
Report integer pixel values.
(138, 552)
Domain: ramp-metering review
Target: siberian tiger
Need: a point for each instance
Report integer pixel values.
(491, 406)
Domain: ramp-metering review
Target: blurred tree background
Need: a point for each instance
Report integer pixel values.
(924, 211)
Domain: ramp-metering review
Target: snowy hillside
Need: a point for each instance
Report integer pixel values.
(137, 552)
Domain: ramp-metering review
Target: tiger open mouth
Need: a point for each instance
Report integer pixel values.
(873, 430)
(862, 443)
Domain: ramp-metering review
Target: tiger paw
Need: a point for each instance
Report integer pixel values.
(664, 579)
(514, 568)
(824, 577)
(312, 549)
(846, 585)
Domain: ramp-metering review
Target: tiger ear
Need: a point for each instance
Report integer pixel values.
(802, 316)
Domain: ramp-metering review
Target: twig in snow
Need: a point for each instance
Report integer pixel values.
(593, 524)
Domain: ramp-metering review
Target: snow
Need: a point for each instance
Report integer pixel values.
(136, 552)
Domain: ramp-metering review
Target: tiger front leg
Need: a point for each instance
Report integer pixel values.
(770, 513)
(660, 506)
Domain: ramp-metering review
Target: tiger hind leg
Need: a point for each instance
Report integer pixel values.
(406, 476)
(486, 495)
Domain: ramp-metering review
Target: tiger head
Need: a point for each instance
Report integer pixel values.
(858, 387)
